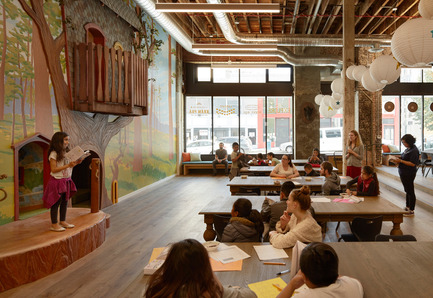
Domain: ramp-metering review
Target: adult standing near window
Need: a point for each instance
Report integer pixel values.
(407, 167)
(220, 157)
(355, 154)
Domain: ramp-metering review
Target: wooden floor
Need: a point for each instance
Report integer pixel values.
(164, 213)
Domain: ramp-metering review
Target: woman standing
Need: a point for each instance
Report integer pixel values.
(355, 153)
(285, 169)
(407, 167)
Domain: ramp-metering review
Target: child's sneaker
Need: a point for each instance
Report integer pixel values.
(410, 213)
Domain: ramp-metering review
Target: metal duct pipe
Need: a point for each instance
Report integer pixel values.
(174, 30)
(285, 40)
(284, 54)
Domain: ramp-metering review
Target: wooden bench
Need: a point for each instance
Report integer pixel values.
(197, 165)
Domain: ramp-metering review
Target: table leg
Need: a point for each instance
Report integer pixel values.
(396, 229)
(209, 234)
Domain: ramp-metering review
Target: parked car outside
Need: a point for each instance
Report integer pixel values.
(331, 139)
(287, 147)
(245, 146)
(200, 146)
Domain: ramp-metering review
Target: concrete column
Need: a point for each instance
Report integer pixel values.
(307, 116)
(349, 85)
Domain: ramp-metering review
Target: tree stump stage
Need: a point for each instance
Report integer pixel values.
(30, 251)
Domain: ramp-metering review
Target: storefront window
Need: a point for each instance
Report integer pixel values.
(198, 125)
(411, 117)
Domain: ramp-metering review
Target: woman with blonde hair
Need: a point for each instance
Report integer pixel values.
(355, 154)
(300, 225)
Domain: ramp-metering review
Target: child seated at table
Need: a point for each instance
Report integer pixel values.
(315, 160)
(367, 183)
(319, 271)
(187, 272)
(272, 211)
(309, 171)
(272, 160)
(300, 225)
(260, 160)
(246, 224)
(236, 164)
(332, 180)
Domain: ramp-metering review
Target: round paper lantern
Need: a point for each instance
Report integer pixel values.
(371, 84)
(336, 95)
(412, 43)
(358, 71)
(336, 103)
(349, 72)
(425, 8)
(337, 86)
(327, 111)
(326, 100)
(385, 70)
(318, 99)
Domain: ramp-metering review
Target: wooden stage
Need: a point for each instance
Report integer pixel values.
(30, 251)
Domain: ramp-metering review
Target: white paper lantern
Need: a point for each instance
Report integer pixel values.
(337, 103)
(425, 8)
(318, 99)
(349, 72)
(326, 100)
(337, 86)
(336, 95)
(371, 84)
(385, 69)
(327, 111)
(412, 43)
(358, 71)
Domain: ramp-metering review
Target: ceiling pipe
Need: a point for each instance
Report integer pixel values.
(287, 40)
(313, 20)
(174, 30)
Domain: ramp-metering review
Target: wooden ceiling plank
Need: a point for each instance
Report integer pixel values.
(365, 6)
(414, 13)
(316, 24)
(331, 19)
(283, 25)
(389, 12)
(309, 13)
(294, 18)
(234, 22)
(377, 8)
(402, 9)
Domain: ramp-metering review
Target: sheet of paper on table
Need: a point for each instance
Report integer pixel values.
(296, 255)
(226, 254)
(349, 199)
(156, 260)
(218, 266)
(320, 200)
(266, 288)
(268, 252)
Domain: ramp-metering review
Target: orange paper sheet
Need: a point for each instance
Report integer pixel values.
(218, 266)
(155, 253)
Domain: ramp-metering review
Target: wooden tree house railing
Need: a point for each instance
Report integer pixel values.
(109, 81)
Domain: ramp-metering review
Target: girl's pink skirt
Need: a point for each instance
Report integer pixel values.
(55, 188)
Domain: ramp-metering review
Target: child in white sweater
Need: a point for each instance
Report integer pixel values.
(300, 225)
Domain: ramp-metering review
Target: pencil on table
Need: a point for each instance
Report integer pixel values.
(278, 287)
(274, 263)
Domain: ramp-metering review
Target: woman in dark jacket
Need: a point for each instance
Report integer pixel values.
(407, 167)
(246, 224)
(367, 183)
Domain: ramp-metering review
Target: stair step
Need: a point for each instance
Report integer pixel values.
(389, 182)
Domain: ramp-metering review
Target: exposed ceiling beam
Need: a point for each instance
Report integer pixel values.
(413, 13)
(331, 18)
(283, 25)
(402, 10)
(389, 11)
(309, 12)
(316, 23)
(294, 19)
(376, 11)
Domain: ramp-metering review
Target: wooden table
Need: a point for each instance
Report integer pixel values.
(385, 269)
(324, 212)
(371, 207)
(266, 183)
(266, 170)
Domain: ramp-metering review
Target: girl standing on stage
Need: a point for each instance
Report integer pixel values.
(60, 187)
(355, 153)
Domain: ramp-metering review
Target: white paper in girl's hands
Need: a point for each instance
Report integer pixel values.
(77, 153)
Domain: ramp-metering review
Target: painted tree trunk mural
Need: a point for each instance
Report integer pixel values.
(3, 64)
(43, 111)
(93, 133)
(170, 107)
(137, 164)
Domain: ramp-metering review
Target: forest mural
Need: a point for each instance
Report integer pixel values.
(34, 97)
